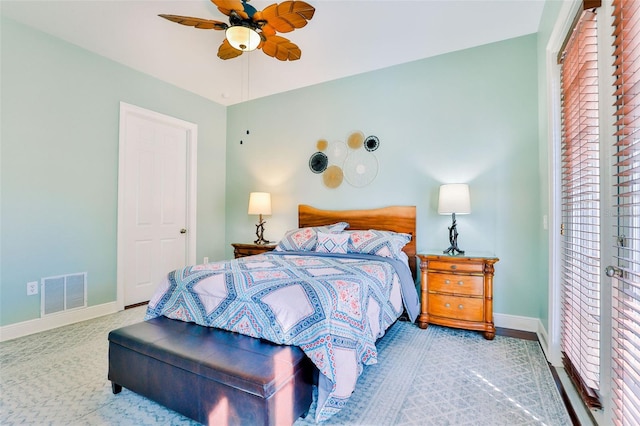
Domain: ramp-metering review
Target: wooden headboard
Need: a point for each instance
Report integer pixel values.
(393, 218)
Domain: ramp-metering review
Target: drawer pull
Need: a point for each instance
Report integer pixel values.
(447, 282)
(460, 282)
(447, 305)
(454, 266)
(460, 306)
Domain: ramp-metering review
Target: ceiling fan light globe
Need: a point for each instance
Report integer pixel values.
(243, 38)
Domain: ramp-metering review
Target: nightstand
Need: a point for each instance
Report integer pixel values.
(241, 250)
(457, 291)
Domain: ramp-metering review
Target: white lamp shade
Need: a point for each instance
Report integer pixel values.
(243, 38)
(454, 198)
(260, 203)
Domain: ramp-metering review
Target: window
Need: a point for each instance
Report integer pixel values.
(626, 281)
(580, 241)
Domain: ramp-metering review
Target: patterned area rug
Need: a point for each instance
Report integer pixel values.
(444, 376)
(438, 376)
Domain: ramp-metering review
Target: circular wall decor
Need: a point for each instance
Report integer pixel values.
(318, 162)
(332, 177)
(360, 168)
(322, 144)
(338, 161)
(337, 152)
(371, 143)
(355, 140)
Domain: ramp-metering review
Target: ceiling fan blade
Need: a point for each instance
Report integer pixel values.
(268, 30)
(288, 15)
(226, 6)
(226, 51)
(205, 24)
(281, 49)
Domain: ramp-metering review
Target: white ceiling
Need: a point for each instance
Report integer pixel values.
(343, 38)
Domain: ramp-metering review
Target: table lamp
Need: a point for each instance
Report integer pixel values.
(454, 198)
(260, 203)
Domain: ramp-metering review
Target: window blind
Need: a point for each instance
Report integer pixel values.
(580, 262)
(626, 285)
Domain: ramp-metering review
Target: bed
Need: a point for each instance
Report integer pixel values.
(308, 294)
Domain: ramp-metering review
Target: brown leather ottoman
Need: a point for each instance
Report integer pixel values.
(210, 375)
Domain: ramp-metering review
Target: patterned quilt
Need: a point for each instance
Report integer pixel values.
(333, 307)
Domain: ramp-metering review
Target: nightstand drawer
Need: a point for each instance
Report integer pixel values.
(461, 308)
(456, 266)
(456, 284)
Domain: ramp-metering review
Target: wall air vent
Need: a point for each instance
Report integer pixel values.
(63, 293)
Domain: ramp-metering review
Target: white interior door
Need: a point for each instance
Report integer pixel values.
(155, 226)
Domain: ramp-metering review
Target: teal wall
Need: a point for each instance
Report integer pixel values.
(59, 164)
(468, 116)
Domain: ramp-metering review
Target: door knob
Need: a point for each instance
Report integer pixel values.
(613, 271)
(183, 231)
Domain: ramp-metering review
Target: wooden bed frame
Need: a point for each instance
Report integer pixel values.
(394, 218)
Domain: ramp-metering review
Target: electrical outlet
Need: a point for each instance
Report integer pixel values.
(32, 288)
(206, 260)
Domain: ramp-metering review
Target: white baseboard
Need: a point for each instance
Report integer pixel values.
(544, 341)
(26, 328)
(516, 322)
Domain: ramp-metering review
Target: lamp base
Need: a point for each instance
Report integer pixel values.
(260, 232)
(453, 238)
(452, 251)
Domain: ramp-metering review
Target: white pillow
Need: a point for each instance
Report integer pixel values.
(380, 243)
(332, 243)
(305, 239)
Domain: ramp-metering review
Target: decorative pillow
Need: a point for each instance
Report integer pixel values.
(380, 243)
(332, 243)
(305, 239)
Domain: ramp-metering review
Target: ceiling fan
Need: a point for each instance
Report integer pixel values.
(250, 29)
